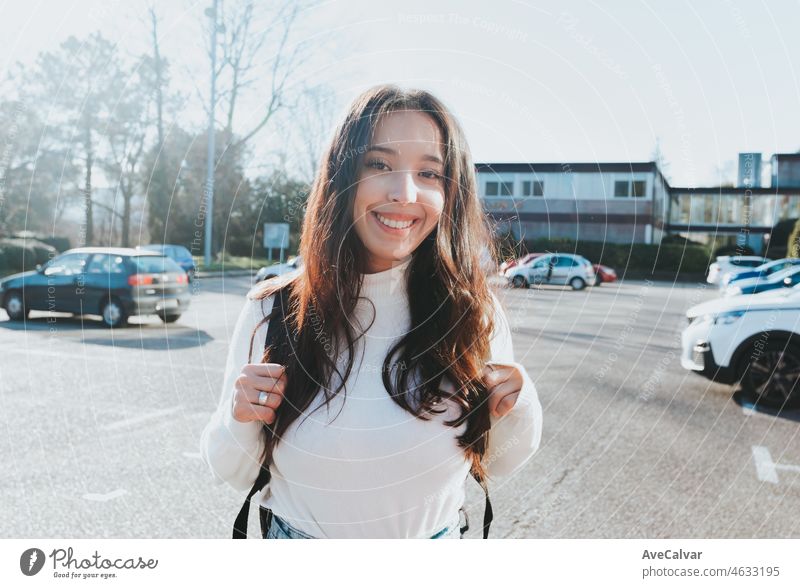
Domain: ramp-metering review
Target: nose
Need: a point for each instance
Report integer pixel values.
(403, 188)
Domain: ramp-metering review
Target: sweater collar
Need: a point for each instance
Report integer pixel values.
(388, 286)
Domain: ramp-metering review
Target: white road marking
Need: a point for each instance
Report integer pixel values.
(141, 418)
(766, 469)
(106, 497)
(115, 360)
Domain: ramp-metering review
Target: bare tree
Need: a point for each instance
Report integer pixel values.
(311, 120)
(127, 133)
(255, 48)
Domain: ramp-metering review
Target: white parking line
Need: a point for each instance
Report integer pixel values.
(105, 497)
(766, 469)
(111, 359)
(141, 418)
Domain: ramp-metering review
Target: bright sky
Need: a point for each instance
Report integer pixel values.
(530, 81)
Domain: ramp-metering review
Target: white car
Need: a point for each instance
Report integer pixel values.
(560, 269)
(727, 263)
(753, 340)
(762, 271)
(278, 269)
(786, 278)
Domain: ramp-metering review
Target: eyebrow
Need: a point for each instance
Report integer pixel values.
(426, 157)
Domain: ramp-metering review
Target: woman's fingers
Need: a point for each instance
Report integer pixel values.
(504, 383)
(255, 379)
(253, 412)
(503, 398)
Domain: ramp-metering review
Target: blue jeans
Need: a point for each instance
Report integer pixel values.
(280, 529)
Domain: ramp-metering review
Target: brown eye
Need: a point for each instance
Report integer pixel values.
(431, 175)
(377, 164)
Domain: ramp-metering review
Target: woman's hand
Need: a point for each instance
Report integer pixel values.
(254, 379)
(504, 383)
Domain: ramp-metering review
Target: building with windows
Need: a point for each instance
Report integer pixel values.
(612, 202)
(634, 203)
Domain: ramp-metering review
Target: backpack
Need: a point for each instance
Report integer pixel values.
(277, 337)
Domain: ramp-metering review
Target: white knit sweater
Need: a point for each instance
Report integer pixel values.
(365, 468)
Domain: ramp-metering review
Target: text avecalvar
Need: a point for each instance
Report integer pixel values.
(671, 554)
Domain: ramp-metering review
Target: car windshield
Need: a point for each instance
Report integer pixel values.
(155, 264)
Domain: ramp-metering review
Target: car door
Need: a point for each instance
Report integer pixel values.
(106, 274)
(65, 277)
(537, 271)
(561, 270)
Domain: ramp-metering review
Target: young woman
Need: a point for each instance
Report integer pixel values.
(402, 366)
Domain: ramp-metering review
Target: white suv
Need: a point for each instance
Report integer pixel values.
(554, 268)
(754, 340)
(726, 263)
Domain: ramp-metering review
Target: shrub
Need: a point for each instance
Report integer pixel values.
(19, 255)
(669, 258)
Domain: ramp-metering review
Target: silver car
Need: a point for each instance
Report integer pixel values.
(278, 269)
(559, 269)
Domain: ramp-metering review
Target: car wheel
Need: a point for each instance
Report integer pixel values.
(577, 284)
(14, 305)
(519, 282)
(113, 313)
(168, 318)
(772, 375)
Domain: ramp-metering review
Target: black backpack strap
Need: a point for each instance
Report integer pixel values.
(488, 515)
(276, 336)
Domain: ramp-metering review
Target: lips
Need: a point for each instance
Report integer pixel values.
(395, 230)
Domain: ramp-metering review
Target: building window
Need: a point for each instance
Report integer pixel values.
(621, 189)
(499, 188)
(530, 188)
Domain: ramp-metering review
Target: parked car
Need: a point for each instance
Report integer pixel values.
(278, 269)
(178, 253)
(554, 268)
(113, 282)
(604, 274)
(753, 340)
(786, 278)
(762, 271)
(525, 259)
(736, 263)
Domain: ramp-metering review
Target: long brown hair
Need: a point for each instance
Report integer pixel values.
(451, 306)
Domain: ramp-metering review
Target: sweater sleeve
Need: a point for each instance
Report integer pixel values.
(230, 448)
(514, 437)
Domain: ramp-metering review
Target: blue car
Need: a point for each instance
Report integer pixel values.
(112, 282)
(178, 253)
(764, 271)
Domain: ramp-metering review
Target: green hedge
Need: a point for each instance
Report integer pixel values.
(667, 258)
(19, 255)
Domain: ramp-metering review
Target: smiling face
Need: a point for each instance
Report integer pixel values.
(400, 191)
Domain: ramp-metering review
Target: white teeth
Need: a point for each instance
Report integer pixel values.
(394, 224)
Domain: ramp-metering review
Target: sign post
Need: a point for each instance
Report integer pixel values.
(276, 235)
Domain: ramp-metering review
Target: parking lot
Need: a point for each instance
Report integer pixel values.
(102, 427)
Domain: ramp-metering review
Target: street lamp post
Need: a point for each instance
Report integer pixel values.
(209, 214)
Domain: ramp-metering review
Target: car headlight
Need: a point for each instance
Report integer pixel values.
(726, 318)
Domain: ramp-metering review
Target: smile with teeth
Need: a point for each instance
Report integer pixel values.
(394, 224)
